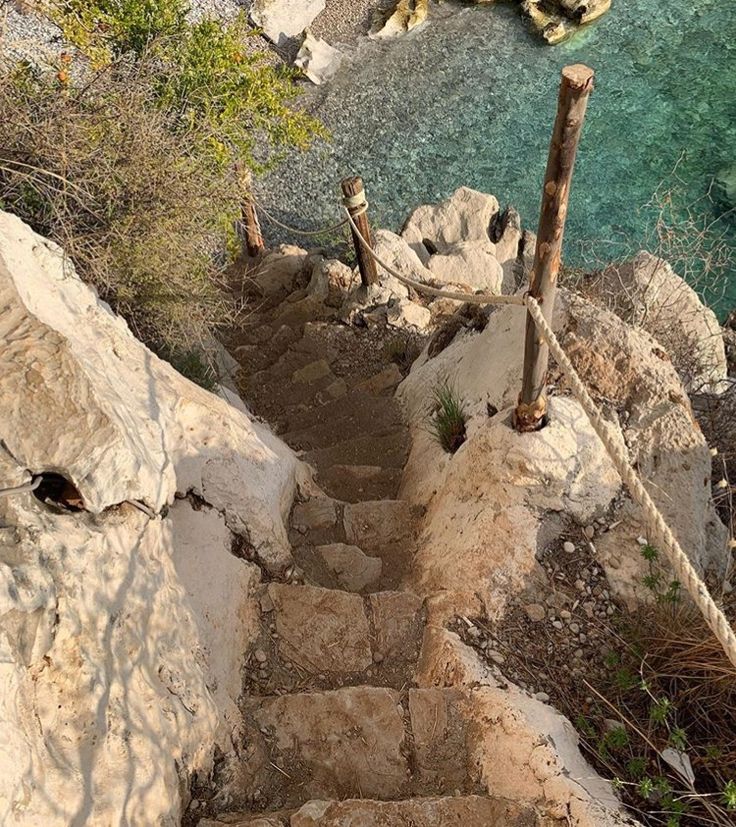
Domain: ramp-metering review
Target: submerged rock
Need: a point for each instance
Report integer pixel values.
(399, 18)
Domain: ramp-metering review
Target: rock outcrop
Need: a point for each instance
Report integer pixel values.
(122, 631)
(318, 59)
(645, 292)
(282, 20)
(399, 18)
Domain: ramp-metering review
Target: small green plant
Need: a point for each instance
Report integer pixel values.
(447, 421)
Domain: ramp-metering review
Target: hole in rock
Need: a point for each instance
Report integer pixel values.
(430, 245)
(56, 490)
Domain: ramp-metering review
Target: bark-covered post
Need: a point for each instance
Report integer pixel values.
(575, 88)
(354, 199)
(253, 235)
(248, 216)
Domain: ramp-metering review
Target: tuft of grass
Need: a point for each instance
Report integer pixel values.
(447, 421)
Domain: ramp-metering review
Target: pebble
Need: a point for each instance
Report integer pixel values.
(260, 656)
(580, 585)
(565, 615)
(474, 631)
(542, 696)
(578, 653)
(377, 657)
(610, 610)
(557, 624)
(589, 532)
(535, 612)
(574, 628)
(568, 547)
(496, 657)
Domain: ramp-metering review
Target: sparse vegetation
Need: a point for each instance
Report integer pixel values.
(447, 420)
(126, 155)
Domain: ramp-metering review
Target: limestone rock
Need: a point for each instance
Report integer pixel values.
(405, 314)
(348, 739)
(332, 281)
(284, 19)
(400, 18)
(354, 570)
(397, 620)
(322, 630)
(116, 679)
(470, 263)
(436, 228)
(317, 59)
(497, 510)
(647, 293)
(468, 811)
(279, 269)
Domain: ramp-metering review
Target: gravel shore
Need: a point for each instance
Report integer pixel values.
(345, 21)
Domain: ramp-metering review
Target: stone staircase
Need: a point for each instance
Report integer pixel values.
(338, 733)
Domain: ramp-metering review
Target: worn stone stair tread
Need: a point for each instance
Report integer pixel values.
(360, 741)
(358, 483)
(358, 416)
(389, 451)
(320, 638)
(358, 406)
(434, 811)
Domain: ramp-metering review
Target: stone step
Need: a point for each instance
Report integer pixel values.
(358, 742)
(450, 811)
(358, 483)
(313, 637)
(357, 414)
(389, 451)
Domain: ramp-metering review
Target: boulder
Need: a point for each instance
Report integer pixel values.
(498, 487)
(276, 273)
(724, 188)
(284, 19)
(317, 59)
(354, 570)
(436, 228)
(332, 281)
(472, 264)
(119, 650)
(399, 19)
(647, 293)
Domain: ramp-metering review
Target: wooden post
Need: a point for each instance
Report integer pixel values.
(575, 88)
(251, 225)
(354, 200)
(253, 235)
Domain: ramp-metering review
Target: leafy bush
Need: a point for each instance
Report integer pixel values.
(138, 167)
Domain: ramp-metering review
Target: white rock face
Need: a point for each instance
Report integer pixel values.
(118, 670)
(283, 19)
(465, 216)
(469, 263)
(498, 486)
(318, 59)
(646, 292)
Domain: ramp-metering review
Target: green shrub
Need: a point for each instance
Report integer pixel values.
(138, 166)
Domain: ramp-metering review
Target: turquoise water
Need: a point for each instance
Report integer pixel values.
(470, 99)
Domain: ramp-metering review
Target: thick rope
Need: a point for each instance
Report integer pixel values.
(21, 489)
(470, 298)
(663, 534)
(306, 233)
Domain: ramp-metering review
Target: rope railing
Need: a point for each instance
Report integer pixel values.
(296, 230)
(660, 531)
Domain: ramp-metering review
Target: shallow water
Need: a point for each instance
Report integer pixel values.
(470, 99)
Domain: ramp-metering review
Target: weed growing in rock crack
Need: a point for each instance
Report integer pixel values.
(447, 421)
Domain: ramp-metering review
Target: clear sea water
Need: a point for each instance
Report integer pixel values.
(470, 99)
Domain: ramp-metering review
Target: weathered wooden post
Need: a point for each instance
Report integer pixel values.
(575, 88)
(253, 235)
(251, 225)
(354, 199)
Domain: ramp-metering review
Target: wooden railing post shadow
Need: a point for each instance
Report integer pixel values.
(356, 204)
(575, 88)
